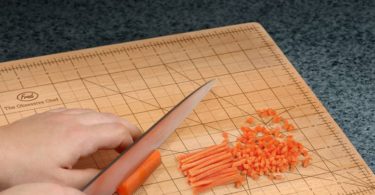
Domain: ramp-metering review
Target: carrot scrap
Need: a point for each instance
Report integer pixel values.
(258, 151)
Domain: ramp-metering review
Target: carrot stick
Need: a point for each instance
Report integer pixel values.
(206, 160)
(185, 155)
(213, 160)
(212, 179)
(139, 176)
(209, 172)
(205, 152)
(194, 172)
(222, 181)
(224, 171)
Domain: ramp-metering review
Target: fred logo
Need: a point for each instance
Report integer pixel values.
(27, 96)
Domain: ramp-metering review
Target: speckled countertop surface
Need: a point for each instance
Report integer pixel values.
(330, 42)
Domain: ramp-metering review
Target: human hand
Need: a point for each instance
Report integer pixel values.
(44, 147)
(41, 189)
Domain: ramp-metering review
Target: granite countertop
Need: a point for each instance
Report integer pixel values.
(330, 42)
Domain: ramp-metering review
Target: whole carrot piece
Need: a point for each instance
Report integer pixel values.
(140, 175)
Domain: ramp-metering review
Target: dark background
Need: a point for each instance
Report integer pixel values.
(331, 43)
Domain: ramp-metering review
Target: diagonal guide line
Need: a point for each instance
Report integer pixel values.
(151, 105)
(280, 61)
(203, 123)
(265, 123)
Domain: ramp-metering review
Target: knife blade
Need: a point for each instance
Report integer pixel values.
(106, 182)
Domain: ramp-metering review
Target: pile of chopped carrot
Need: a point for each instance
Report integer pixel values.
(259, 150)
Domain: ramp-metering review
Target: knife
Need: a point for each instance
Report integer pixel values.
(107, 181)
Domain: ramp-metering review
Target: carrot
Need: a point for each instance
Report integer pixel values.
(205, 160)
(200, 173)
(250, 120)
(258, 151)
(208, 151)
(210, 160)
(211, 179)
(183, 156)
(139, 176)
(220, 181)
(276, 119)
(271, 112)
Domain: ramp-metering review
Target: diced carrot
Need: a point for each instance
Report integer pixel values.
(271, 112)
(276, 119)
(250, 120)
(258, 151)
(306, 162)
(136, 179)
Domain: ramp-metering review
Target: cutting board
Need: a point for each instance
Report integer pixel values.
(141, 80)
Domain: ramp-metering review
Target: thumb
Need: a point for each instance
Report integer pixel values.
(77, 178)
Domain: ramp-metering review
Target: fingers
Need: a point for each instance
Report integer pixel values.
(94, 118)
(41, 189)
(57, 110)
(134, 131)
(90, 117)
(77, 178)
(106, 136)
(71, 191)
(71, 110)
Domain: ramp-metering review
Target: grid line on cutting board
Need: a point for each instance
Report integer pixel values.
(142, 80)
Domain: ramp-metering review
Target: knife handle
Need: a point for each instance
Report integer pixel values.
(129, 185)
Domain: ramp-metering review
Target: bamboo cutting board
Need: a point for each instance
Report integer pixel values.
(141, 80)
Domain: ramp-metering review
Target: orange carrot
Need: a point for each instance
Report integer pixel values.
(136, 179)
(216, 166)
(250, 120)
(211, 179)
(212, 159)
(206, 152)
(258, 151)
(221, 181)
(276, 119)
(271, 112)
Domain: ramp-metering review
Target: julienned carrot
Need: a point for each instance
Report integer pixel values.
(205, 160)
(258, 151)
(211, 179)
(209, 160)
(206, 152)
(223, 171)
(212, 175)
(221, 181)
(183, 156)
(139, 176)
(194, 172)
